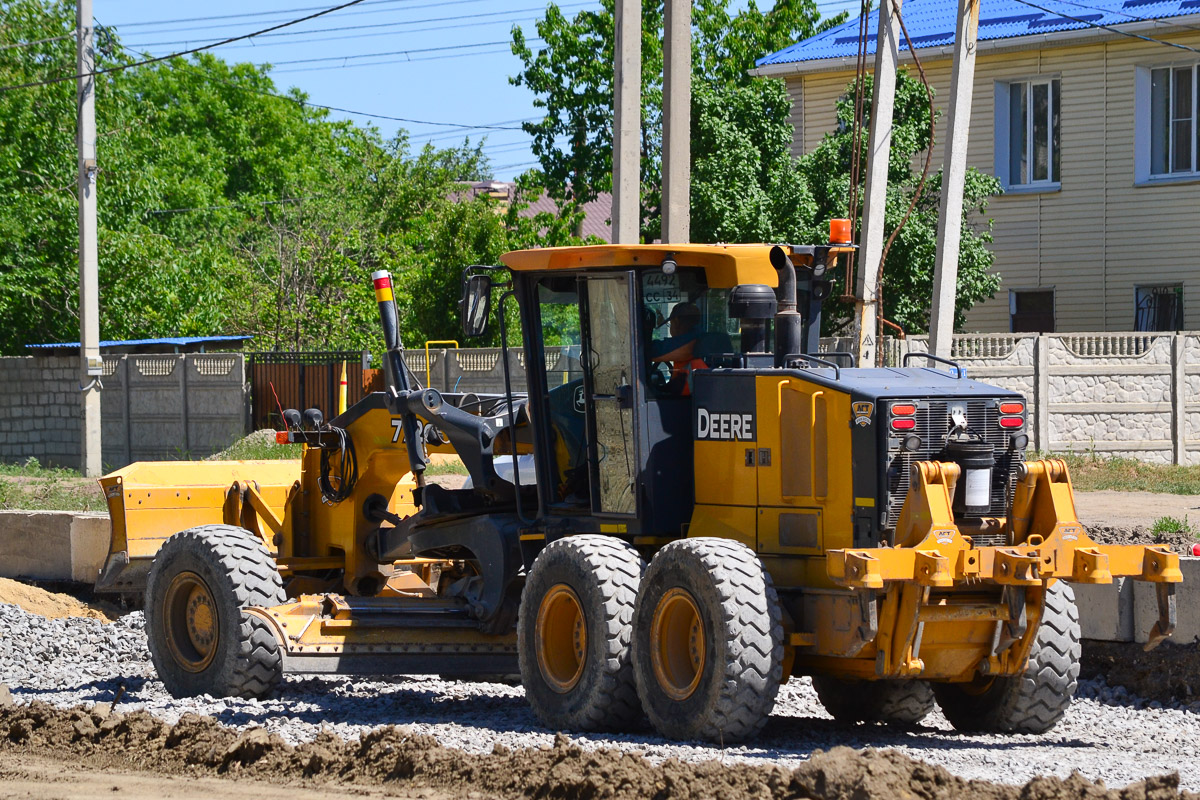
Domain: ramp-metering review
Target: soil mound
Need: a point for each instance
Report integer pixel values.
(200, 745)
(1170, 673)
(1180, 541)
(51, 605)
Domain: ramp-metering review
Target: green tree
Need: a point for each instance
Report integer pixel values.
(570, 75)
(908, 272)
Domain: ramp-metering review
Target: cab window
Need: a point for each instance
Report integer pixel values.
(684, 323)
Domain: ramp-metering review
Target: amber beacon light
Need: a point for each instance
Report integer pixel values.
(839, 231)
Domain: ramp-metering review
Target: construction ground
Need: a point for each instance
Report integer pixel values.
(84, 715)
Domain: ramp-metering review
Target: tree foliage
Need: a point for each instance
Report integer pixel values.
(224, 208)
(746, 185)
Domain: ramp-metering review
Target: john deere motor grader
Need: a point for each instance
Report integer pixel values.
(686, 506)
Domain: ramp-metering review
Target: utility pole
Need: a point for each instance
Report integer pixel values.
(677, 122)
(875, 193)
(954, 165)
(627, 122)
(89, 304)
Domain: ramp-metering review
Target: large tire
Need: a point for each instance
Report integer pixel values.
(201, 641)
(894, 702)
(1035, 700)
(573, 634)
(708, 641)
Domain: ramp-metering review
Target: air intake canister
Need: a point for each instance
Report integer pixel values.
(973, 495)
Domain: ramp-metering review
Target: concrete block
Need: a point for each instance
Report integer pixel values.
(53, 545)
(1187, 601)
(1106, 611)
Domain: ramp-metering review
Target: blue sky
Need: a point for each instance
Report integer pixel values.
(445, 61)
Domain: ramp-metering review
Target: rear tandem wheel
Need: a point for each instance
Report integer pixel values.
(1035, 700)
(573, 634)
(893, 702)
(708, 641)
(201, 642)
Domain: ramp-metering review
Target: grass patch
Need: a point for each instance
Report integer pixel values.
(32, 487)
(1092, 473)
(258, 446)
(1164, 525)
(446, 468)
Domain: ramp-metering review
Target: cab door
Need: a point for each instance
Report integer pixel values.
(609, 386)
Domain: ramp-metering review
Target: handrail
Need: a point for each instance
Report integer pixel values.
(837, 371)
(959, 372)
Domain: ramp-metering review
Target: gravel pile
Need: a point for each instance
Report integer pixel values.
(1108, 734)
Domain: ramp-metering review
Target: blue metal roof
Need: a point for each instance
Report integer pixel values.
(930, 23)
(176, 341)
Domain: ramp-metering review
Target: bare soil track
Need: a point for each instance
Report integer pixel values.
(100, 749)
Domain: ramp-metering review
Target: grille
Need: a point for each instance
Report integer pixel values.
(933, 423)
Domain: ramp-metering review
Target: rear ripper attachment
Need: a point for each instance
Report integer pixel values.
(935, 587)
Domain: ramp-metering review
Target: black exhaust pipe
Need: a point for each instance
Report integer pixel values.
(789, 329)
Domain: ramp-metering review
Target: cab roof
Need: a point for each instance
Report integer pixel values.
(725, 265)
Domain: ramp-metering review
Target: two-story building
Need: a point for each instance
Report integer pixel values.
(1088, 111)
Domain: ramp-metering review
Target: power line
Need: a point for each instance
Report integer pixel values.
(443, 48)
(1167, 21)
(1111, 29)
(377, 27)
(37, 41)
(121, 67)
(388, 62)
(278, 11)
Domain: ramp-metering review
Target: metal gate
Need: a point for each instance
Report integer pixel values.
(300, 381)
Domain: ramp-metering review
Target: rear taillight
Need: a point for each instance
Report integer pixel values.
(1012, 408)
(903, 424)
(1011, 422)
(903, 409)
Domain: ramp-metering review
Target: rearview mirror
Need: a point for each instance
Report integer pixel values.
(476, 305)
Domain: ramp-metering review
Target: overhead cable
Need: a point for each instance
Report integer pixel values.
(121, 67)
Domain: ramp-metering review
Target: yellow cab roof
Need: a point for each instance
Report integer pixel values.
(725, 265)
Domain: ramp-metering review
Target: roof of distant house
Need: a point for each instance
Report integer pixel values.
(597, 214)
(167, 344)
(931, 23)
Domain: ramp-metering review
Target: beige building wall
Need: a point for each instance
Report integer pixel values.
(1099, 235)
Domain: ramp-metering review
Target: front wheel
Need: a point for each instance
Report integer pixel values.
(1036, 699)
(708, 641)
(200, 639)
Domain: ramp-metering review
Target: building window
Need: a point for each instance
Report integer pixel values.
(1174, 133)
(1158, 308)
(1028, 141)
(1032, 311)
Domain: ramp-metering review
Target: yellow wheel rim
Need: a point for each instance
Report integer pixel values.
(190, 617)
(561, 638)
(677, 644)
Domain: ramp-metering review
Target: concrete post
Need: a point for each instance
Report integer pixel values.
(627, 122)
(954, 166)
(1178, 400)
(1041, 394)
(677, 122)
(89, 303)
(875, 193)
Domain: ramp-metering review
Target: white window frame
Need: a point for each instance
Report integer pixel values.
(1144, 126)
(1003, 126)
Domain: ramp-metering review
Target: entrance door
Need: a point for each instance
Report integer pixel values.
(610, 388)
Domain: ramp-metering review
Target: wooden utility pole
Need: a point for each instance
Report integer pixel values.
(954, 166)
(89, 304)
(677, 122)
(627, 123)
(875, 194)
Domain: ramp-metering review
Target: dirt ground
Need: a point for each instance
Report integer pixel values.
(83, 753)
(26, 776)
(1131, 509)
(52, 605)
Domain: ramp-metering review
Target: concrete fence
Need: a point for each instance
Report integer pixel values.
(160, 406)
(1125, 394)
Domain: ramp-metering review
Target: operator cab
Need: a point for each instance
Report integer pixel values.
(614, 336)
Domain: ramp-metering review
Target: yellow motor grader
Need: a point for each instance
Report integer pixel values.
(685, 505)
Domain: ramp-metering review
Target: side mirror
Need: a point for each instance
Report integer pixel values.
(476, 305)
